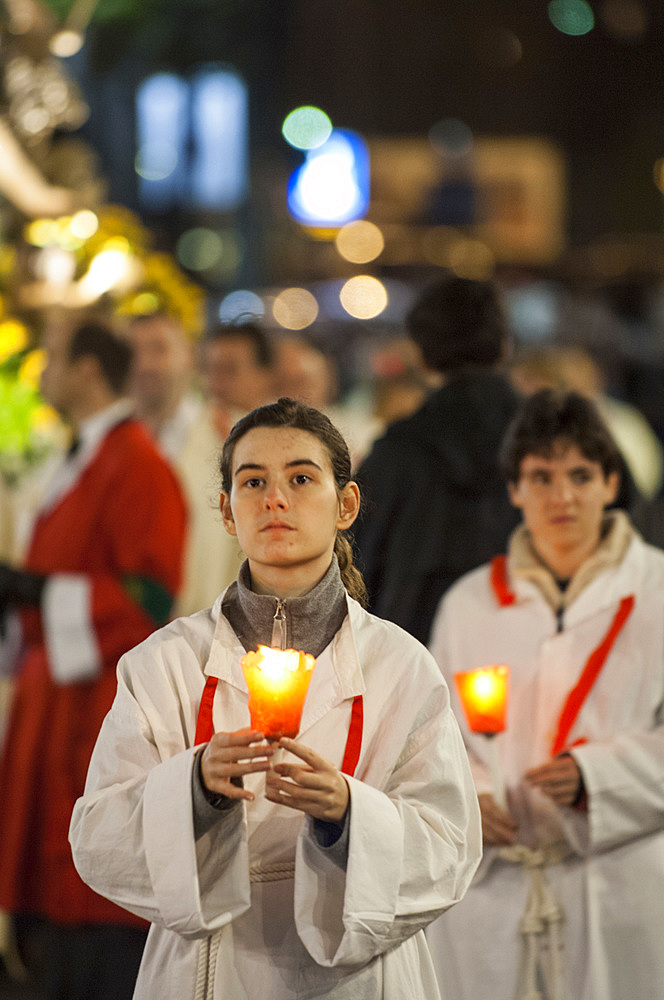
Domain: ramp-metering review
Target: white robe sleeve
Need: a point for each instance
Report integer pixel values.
(132, 832)
(413, 849)
(624, 781)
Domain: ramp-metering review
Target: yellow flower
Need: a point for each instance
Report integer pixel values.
(13, 338)
(32, 367)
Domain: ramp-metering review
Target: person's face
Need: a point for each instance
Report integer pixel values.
(231, 375)
(162, 362)
(284, 505)
(303, 373)
(60, 378)
(562, 498)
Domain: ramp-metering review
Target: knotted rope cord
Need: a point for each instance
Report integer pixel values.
(542, 915)
(272, 873)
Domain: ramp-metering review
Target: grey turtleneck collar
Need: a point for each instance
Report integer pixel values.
(311, 621)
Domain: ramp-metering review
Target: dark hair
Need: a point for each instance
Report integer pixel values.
(459, 322)
(261, 343)
(288, 412)
(552, 416)
(112, 351)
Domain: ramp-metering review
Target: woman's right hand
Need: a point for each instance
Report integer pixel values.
(229, 756)
(498, 827)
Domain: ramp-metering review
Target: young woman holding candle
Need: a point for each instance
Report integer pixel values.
(569, 899)
(316, 876)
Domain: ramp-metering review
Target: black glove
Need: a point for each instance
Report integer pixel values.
(19, 588)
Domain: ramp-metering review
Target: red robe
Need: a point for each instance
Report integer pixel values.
(121, 525)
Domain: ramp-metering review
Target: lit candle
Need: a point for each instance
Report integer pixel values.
(278, 680)
(483, 694)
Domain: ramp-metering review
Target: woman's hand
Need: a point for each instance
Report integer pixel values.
(498, 827)
(559, 778)
(229, 756)
(315, 787)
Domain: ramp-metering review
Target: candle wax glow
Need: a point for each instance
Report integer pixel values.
(278, 680)
(483, 694)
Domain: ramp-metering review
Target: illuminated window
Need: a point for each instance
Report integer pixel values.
(192, 138)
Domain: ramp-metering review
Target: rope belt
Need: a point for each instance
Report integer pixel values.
(272, 873)
(540, 923)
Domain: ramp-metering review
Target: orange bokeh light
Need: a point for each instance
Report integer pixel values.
(278, 680)
(484, 694)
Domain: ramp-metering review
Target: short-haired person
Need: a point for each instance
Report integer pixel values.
(435, 503)
(100, 573)
(569, 899)
(297, 880)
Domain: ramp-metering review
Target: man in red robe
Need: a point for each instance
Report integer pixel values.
(100, 574)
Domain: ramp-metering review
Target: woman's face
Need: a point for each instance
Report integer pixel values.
(285, 508)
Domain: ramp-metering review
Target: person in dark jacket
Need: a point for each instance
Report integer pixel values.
(436, 504)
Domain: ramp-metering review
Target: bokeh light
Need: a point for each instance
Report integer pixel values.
(571, 17)
(295, 308)
(155, 161)
(624, 19)
(306, 127)
(658, 174)
(199, 249)
(66, 43)
(472, 259)
(332, 185)
(241, 305)
(451, 137)
(497, 47)
(363, 297)
(84, 224)
(360, 242)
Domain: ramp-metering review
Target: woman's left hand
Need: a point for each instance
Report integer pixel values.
(315, 787)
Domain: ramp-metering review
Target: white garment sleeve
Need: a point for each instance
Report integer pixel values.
(413, 849)
(71, 642)
(624, 781)
(132, 832)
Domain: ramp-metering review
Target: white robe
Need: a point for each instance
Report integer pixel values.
(353, 934)
(612, 885)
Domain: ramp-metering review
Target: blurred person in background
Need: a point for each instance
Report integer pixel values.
(435, 499)
(305, 372)
(161, 380)
(99, 576)
(235, 372)
(575, 368)
(569, 899)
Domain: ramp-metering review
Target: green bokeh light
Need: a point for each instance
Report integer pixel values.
(571, 17)
(306, 127)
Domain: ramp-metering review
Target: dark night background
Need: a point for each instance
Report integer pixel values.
(396, 68)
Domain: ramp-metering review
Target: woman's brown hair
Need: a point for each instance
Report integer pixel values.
(290, 413)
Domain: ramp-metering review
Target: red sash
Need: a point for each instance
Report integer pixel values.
(205, 726)
(591, 671)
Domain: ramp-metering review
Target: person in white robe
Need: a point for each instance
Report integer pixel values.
(568, 903)
(310, 877)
